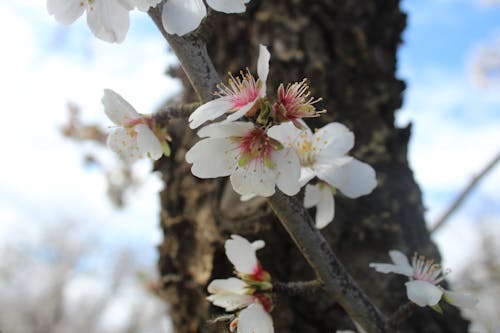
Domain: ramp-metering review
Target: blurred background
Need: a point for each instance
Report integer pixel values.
(78, 229)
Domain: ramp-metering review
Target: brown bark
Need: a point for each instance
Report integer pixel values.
(347, 49)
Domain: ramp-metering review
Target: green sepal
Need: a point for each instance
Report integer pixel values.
(265, 112)
(262, 286)
(436, 308)
(166, 148)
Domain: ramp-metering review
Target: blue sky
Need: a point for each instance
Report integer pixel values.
(456, 123)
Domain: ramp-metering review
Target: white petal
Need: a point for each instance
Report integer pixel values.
(144, 5)
(306, 174)
(109, 20)
(255, 319)
(241, 111)
(226, 130)
(401, 265)
(228, 286)
(287, 170)
(241, 254)
(333, 140)
(231, 302)
(123, 142)
(118, 109)
(209, 111)
(263, 66)
(258, 244)
(247, 197)
(182, 16)
(212, 158)
(353, 179)
(462, 300)
(147, 142)
(325, 210)
(228, 6)
(286, 133)
(65, 11)
(401, 262)
(254, 178)
(311, 196)
(423, 293)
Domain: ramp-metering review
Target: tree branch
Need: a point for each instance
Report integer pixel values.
(464, 193)
(191, 50)
(337, 281)
(298, 288)
(193, 56)
(177, 111)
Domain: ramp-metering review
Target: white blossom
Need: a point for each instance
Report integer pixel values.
(322, 154)
(107, 19)
(239, 97)
(254, 319)
(250, 295)
(255, 162)
(424, 277)
(183, 16)
(133, 138)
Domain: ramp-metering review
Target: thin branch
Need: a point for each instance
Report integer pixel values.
(404, 312)
(178, 111)
(464, 193)
(298, 288)
(337, 281)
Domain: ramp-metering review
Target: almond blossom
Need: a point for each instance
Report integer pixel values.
(134, 137)
(107, 19)
(255, 162)
(322, 154)
(250, 293)
(294, 103)
(242, 95)
(425, 275)
(183, 16)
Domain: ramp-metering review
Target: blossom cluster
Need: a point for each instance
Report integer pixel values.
(262, 145)
(424, 275)
(109, 19)
(249, 294)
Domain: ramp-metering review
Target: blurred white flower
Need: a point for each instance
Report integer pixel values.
(239, 97)
(183, 16)
(425, 275)
(255, 162)
(250, 294)
(322, 154)
(133, 138)
(107, 19)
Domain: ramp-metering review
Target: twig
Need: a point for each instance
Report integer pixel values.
(337, 281)
(191, 50)
(192, 53)
(404, 312)
(174, 112)
(464, 193)
(298, 288)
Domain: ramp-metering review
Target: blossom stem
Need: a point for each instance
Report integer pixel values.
(191, 50)
(298, 288)
(178, 111)
(316, 250)
(404, 312)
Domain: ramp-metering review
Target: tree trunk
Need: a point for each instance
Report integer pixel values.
(347, 50)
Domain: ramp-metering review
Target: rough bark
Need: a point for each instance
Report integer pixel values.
(347, 49)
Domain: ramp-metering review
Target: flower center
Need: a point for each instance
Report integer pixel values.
(427, 270)
(242, 89)
(295, 102)
(305, 149)
(256, 145)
